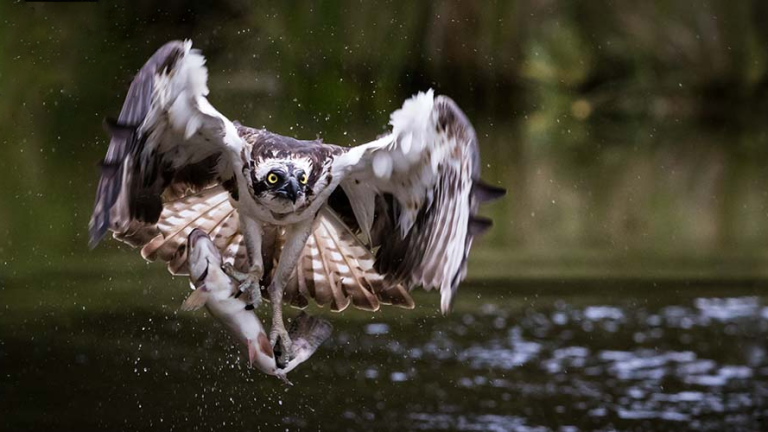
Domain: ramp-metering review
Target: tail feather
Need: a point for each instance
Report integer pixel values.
(343, 265)
(336, 269)
(395, 295)
(293, 290)
(221, 232)
(370, 280)
(324, 273)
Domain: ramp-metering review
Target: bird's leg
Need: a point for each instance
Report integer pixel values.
(250, 281)
(246, 284)
(295, 239)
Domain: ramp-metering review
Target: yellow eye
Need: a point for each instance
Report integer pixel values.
(304, 178)
(272, 178)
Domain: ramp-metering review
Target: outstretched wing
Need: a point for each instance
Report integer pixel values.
(167, 139)
(415, 194)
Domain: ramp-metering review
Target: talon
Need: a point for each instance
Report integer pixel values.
(252, 290)
(235, 274)
(249, 284)
(282, 346)
(283, 378)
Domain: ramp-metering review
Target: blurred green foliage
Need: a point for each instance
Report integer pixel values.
(621, 128)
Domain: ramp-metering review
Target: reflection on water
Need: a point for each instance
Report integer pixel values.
(112, 352)
(669, 375)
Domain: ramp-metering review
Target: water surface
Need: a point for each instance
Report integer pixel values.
(85, 350)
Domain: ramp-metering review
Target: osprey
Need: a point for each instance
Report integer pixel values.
(360, 224)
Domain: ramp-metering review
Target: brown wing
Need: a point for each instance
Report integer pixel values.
(209, 210)
(415, 194)
(335, 268)
(167, 136)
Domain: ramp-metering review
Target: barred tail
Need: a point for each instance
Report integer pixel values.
(336, 268)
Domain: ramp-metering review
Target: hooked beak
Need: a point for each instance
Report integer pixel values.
(290, 190)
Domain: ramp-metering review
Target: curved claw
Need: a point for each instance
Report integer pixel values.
(230, 270)
(282, 345)
(249, 284)
(252, 290)
(283, 377)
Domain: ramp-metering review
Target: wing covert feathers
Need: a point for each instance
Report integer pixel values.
(167, 135)
(426, 174)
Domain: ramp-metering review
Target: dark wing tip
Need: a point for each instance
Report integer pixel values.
(484, 192)
(106, 196)
(479, 225)
(96, 232)
(124, 133)
(118, 130)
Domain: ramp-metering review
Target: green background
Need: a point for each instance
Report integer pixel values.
(631, 138)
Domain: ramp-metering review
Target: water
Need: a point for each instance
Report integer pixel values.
(622, 287)
(85, 350)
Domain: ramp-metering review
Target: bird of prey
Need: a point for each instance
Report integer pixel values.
(361, 224)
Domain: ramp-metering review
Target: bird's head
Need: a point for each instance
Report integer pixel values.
(286, 182)
(281, 185)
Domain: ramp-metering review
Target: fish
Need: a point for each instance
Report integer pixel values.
(307, 333)
(221, 296)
